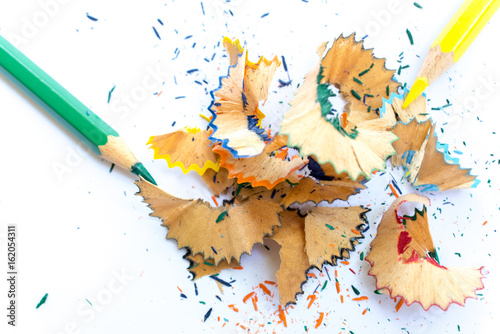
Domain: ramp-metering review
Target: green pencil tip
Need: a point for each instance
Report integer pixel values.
(139, 169)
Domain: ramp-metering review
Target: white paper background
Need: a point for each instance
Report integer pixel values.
(84, 237)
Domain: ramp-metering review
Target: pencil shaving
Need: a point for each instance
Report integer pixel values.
(428, 164)
(348, 59)
(187, 149)
(294, 263)
(309, 190)
(358, 152)
(437, 173)
(404, 261)
(331, 232)
(218, 233)
(236, 116)
(261, 170)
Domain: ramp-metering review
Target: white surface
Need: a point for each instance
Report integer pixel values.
(82, 227)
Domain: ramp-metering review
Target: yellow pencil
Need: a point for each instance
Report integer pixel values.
(452, 42)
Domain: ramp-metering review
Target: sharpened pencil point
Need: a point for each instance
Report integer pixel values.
(140, 170)
(418, 88)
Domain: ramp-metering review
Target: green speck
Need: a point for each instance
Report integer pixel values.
(202, 302)
(356, 291)
(410, 37)
(238, 189)
(387, 90)
(458, 327)
(324, 286)
(330, 227)
(111, 92)
(365, 71)
(377, 292)
(291, 183)
(208, 264)
(459, 255)
(357, 80)
(417, 5)
(355, 94)
(221, 216)
(42, 301)
(362, 256)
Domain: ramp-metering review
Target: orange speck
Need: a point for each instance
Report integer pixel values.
(364, 312)
(360, 298)
(331, 245)
(270, 282)
(247, 297)
(399, 304)
(282, 154)
(238, 268)
(254, 302)
(179, 289)
(244, 328)
(215, 201)
(343, 119)
(160, 93)
(393, 190)
(320, 320)
(337, 285)
(485, 223)
(341, 299)
(311, 275)
(345, 262)
(356, 231)
(312, 298)
(232, 307)
(265, 289)
(282, 316)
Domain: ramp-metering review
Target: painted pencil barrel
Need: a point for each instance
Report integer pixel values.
(465, 25)
(61, 104)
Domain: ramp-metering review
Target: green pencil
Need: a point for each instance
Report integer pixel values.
(67, 109)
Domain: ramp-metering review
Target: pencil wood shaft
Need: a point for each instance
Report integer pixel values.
(66, 108)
